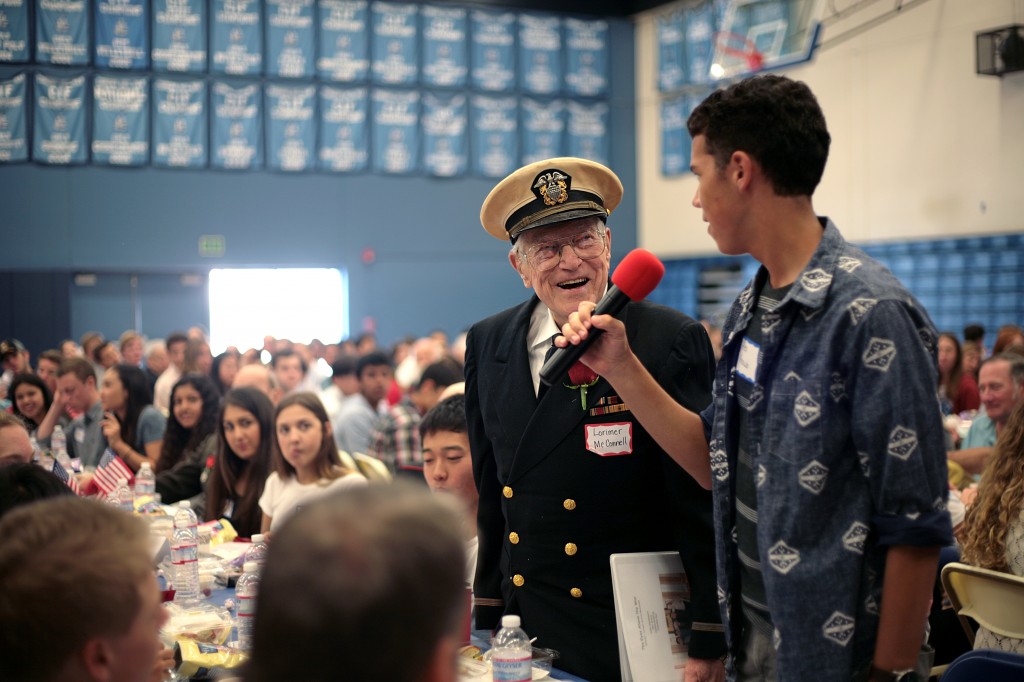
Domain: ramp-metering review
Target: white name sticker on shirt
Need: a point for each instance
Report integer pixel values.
(750, 356)
(79, 435)
(610, 439)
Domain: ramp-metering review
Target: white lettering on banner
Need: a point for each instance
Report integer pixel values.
(610, 439)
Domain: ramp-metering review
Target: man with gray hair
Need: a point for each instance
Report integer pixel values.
(1001, 385)
(366, 585)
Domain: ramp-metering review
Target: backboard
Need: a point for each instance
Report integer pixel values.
(757, 35)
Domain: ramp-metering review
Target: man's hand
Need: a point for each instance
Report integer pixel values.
(704, 670)
(609, 352)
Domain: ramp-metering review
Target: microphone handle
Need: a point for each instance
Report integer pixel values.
(562, 359)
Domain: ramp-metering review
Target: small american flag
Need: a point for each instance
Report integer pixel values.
(110, 470)
(69, 480)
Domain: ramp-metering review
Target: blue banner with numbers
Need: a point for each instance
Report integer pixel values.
(236, 40)
(179, 35)
(492, 50)
(290, 38)
(120, 120)
(394, 31)
(495, 142)
(540, 54)
(122, 34)
(445, 57)
(179, 123)
(59, 123)
(675, 139)
(13, 31)
(588, 131)
(237, 126)
(344, 46)
(543, 129)
(344, 129)
(444, 122)
(62, 32)
(396, 131)
(586, 57)
(700, 42)
(291, 127)
(671, 54)
(13, 112)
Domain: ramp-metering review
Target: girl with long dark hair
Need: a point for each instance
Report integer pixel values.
(134, 429)
(189, 441)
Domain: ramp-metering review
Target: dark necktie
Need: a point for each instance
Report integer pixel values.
(547, 356)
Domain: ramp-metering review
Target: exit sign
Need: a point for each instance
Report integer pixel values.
(211, 246)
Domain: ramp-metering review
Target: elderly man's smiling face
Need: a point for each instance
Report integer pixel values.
(572, 280)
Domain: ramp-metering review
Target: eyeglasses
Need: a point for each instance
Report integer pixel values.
(586, 245)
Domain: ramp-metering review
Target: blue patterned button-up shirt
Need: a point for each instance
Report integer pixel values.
(846, 439)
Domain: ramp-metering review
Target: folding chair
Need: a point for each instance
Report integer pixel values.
(987, 665)
(995, 600)
(372, 468)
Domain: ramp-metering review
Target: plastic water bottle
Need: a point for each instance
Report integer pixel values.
(145, 481)
(257, 551)
(511, 652)
(123, 496)
(245, 591)
(185, 555)
(59, 447)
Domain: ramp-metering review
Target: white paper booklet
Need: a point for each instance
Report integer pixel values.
(652, 614)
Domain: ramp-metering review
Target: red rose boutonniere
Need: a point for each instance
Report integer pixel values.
(581, 377)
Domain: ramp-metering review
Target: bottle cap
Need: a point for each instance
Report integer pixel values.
(184, 504)
(258, 537)
(250, 567)
(510, 621)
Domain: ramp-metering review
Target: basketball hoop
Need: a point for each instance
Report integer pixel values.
(739, 47)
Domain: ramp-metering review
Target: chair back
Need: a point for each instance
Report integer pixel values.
(987, 665)
(995, 600)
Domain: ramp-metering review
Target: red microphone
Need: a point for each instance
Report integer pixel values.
(636, 277)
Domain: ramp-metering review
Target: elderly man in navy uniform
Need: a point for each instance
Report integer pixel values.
(556, 497)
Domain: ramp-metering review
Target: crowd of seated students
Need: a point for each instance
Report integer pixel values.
(219, 439)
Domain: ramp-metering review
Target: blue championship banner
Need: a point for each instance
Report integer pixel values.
(492, 51)
(122, 34)
(59, 122)
(394, 43)
(344, 129)
(543, 129)
(236, 127)
(290, 38)
(675, 139)
(344, 45)
(700, 45)
(586, 57)
(540, 54)
(444, 122)
(588, 131)
(291, 127)
(236, 40)
(495, 148)
(179, 35)
(62, 32)
(13, 112)
(671, 56)
(13, 31)
(445, 60)
(179, 123)
(120, 120)
(396, 131)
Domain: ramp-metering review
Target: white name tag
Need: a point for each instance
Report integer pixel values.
(610, 439)
(79, 435)
(750, 357)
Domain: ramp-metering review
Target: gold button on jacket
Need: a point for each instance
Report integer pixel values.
(569, 504)
(506, 491)
(570, 548)
(518, 580)
(576, 592)
(513, 537)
